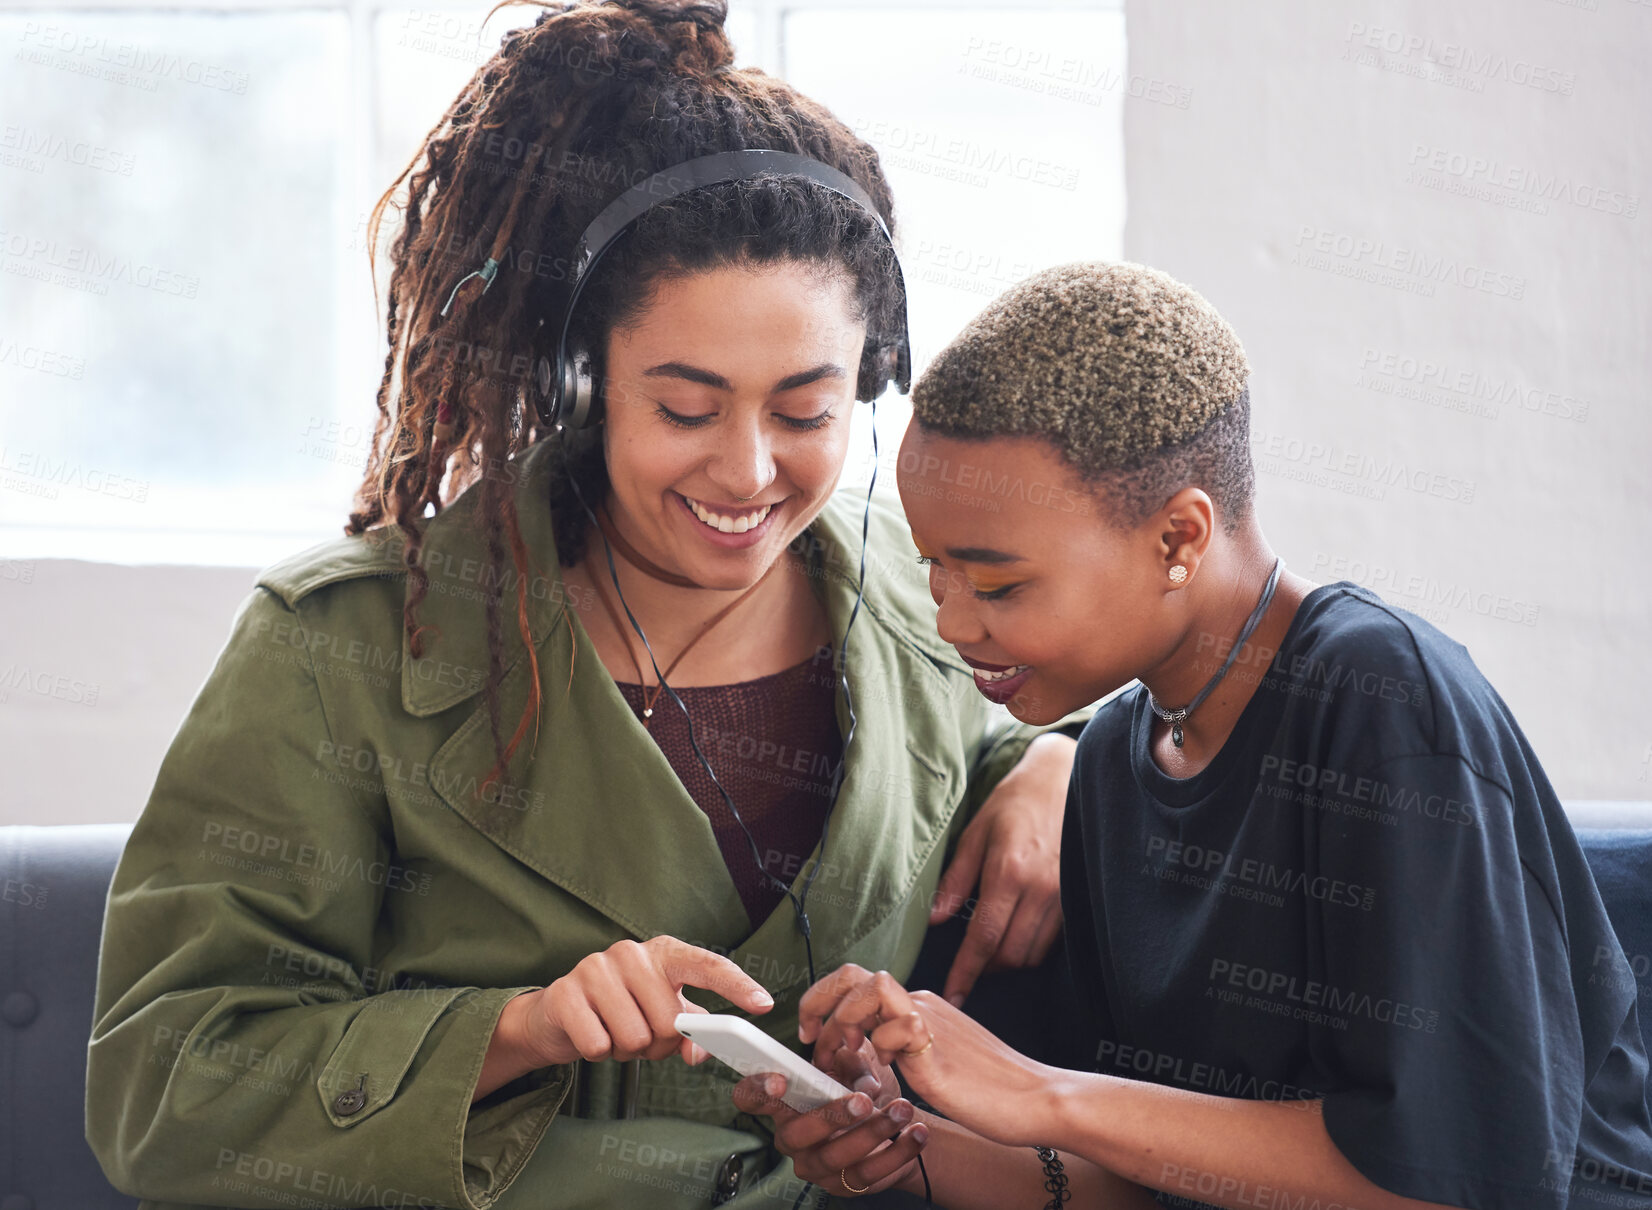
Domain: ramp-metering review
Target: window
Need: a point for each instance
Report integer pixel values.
(188, 347)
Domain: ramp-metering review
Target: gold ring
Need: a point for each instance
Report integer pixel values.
(912, 1054)
(843, 1175)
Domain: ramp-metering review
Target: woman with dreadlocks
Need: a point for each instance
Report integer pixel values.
(375, 942)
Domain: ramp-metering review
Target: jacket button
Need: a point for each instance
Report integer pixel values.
(18, 1009)
(346, 1103)
(728, 1180)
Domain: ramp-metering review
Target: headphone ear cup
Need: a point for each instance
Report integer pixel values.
(544, 399)
(875, 373)
(579, 406)
(590, 384)
(900, 372)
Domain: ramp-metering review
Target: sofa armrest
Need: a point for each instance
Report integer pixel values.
(53, 885)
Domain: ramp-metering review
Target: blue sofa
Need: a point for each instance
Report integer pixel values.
(54, 880)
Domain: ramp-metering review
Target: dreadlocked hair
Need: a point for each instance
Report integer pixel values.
(588, 100)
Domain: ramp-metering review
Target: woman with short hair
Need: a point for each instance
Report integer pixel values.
(1335, 941)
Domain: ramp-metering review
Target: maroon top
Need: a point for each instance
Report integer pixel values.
(773, 743)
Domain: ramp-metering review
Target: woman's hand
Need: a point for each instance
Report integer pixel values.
(860, 1069)
(954, 1063)
(1013, 847)
(622, 1003)
(863, 1143)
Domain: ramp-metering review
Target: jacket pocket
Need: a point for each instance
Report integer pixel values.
(369, 1062)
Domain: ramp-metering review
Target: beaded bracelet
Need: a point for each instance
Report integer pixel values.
(1055, 1178)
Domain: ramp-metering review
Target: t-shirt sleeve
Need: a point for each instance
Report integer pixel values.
(1446, 1012)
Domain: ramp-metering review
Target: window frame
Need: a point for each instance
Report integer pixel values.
(361, 326)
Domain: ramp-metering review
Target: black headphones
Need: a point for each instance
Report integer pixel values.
(567, 392)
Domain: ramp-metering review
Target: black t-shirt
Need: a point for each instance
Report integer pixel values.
(1372, 897)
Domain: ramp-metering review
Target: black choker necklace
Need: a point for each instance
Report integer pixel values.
(1177, 717)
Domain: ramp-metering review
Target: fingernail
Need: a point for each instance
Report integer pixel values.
(920, 1134)
(774, 1085)
(762, 997)
(900, 1113)
(860, 1105)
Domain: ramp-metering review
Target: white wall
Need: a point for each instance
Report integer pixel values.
(1283, 137)
(1287, 193)
(98, 665)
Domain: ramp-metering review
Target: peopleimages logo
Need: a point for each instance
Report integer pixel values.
(1166, 1068)
(1422, 591)
(1384, 263)
(1334, 783)
(1455, 57)
(1064, 77)
(1578, 1174)
(44, 361)
(937, 153)
(1310, 994)
(275, 1177)
(1517, 179)
(270, 848)
(1231, 1191)
(1393, 373)
(1213, 863)
(50, 474)
(47, 260)
(1277, 453)
(41, 145)
(39, 40)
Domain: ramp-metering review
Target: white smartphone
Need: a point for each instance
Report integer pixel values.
(747, 1049)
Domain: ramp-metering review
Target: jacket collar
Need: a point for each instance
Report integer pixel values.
(454, 666)
(648, 858)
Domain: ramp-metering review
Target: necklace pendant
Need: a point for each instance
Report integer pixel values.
(648, 712)
(1176, 733)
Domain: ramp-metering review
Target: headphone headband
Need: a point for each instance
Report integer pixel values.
(567, 392)
(697, 173)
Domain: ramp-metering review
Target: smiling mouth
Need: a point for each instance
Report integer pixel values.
(727, 523)
(982, 674)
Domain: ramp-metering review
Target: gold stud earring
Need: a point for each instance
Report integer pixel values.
(1178, 574)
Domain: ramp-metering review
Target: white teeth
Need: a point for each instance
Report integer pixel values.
(725, 524)
(1005, 675)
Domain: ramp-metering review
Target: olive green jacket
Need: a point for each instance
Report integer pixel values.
(318, 918)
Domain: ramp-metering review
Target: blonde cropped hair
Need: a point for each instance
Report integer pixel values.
(1129, 373)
